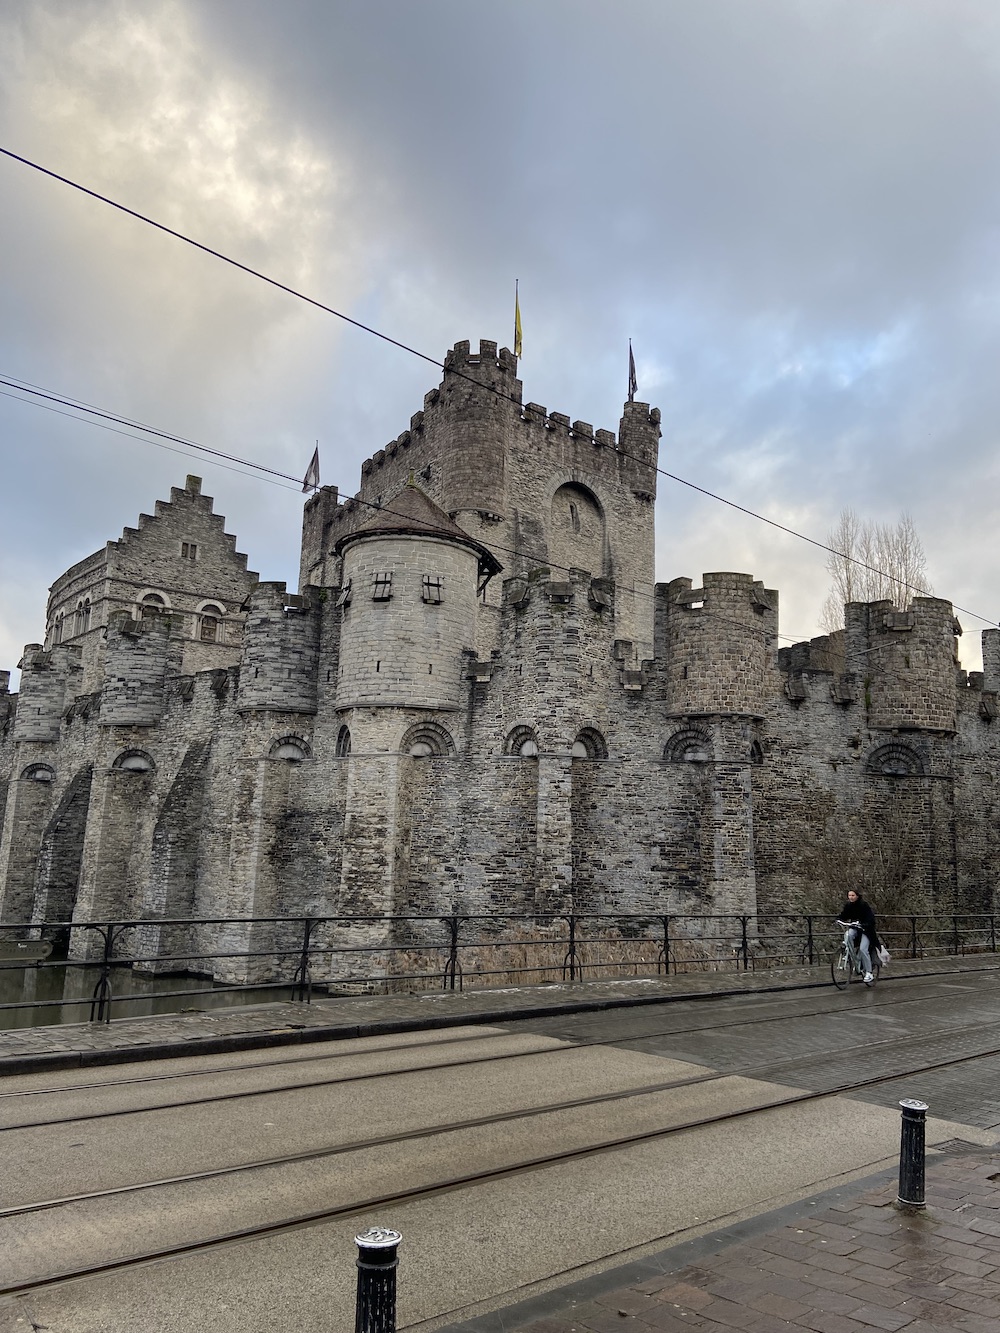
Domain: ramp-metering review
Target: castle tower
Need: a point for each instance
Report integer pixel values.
(408, 600)
(139, 656)
(907, 662)
(280, 651)
(47, 685)
(718, 644)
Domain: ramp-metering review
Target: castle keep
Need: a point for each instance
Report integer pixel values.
(477, 701)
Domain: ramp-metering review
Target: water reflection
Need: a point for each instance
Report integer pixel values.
(63, 993)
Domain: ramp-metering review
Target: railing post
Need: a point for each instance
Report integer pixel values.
(744, 943)
(302, 981)
(809, 939)
(911, 1154)
(100, 1003)
(451, 968)
(913, 937)
(375, 1308)
(570, 959)
(954, 935)
(993, 934)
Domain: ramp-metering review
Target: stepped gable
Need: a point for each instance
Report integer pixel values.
(413, 513)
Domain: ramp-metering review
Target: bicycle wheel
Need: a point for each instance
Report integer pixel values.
(841, 969)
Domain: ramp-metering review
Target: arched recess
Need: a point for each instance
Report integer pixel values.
(39, 773)
(522, 743)
(343, 742)
(173, 867)
(134, 761)
(292, 749)
(576, 531)
(589, 744)
(60, 857)
(688, 746)
(427, 740)
(894, 761)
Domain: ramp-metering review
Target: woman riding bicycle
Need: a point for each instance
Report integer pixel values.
(864, 937)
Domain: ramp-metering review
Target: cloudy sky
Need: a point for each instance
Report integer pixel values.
(791, 206)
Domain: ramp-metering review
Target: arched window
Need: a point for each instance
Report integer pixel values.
(60, 619)
(343, 742)
(134, 761)
(427, 740)
(290, 748)
(589, 744)
(521, 742)
(151, 604)
(756, 753)
(210, 624)
(689, 746)
(895, 761)
(39, 773)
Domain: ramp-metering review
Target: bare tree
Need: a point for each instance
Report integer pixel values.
(873, 562)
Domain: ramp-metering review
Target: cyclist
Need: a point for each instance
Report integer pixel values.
(857, 913)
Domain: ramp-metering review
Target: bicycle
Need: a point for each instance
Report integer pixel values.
(846, 964)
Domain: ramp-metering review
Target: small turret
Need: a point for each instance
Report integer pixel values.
(907, 661)
(140, 654)
(280, 660)
(47, 685)
(719, 643)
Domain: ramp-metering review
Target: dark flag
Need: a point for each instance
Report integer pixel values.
(633, 383)
(310, 482)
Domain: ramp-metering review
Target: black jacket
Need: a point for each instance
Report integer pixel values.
(861, 914)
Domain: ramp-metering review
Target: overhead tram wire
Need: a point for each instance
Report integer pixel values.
(423, 356)
(104, 417)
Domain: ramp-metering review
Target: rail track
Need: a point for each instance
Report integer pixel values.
(460, 1180)
(16, 1096)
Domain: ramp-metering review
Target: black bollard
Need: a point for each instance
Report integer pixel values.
(911, 1154)
(375, 1311)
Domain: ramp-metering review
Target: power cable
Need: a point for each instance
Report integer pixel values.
(103, 417)
(423, 356)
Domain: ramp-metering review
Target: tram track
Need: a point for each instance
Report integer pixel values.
(772, 996)
(756, 1070)
(458, 1181)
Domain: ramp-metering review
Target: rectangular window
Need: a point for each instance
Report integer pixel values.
(344, 600)
(382, 588)
(432, 589)
(189, 550)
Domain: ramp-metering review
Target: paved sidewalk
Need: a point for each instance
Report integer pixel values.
(246, 1027)
(846, 1263)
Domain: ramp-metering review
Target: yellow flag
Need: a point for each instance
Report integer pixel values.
(517, 323)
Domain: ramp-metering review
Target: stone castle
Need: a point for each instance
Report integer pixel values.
(478, 701)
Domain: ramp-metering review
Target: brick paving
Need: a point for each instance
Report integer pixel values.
(846, 1264)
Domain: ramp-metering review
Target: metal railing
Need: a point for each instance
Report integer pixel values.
(249, 956)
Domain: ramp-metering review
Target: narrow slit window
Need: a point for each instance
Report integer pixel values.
(382, 588)
(344, 599)
(189, 550)
(432, 589)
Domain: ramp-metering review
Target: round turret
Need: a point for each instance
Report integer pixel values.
(408, 599)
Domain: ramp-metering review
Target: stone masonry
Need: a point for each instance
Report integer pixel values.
(478, 702)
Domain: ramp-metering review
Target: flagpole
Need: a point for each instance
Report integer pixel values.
(517, 320)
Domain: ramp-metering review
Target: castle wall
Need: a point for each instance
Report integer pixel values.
(575, 741)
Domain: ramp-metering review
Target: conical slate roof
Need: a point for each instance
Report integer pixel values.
(412, 512)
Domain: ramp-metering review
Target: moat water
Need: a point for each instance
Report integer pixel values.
(55, 993)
